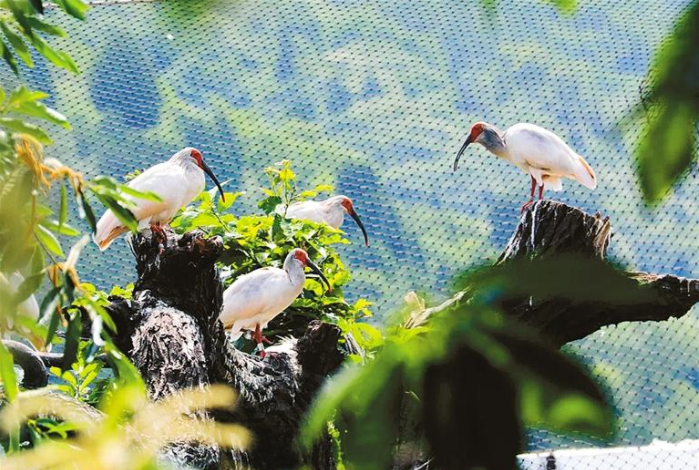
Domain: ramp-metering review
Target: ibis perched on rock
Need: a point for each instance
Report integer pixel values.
(254, 299)
(536, 151)
(177, 181)
(329, 212)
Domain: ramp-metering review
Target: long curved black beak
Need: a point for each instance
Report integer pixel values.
(317, 270)
(458, 155)
(208, 171)
(356, 218)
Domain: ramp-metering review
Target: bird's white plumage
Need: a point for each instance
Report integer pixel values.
(257, 297)
(329, 212)
(177, 181)
(542, 154)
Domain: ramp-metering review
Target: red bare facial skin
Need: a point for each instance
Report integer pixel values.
(347, 204)
(476, 130)
(301, 256)
(196, 154)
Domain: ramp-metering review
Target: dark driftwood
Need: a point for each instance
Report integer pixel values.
(171, 332)
(550, 228)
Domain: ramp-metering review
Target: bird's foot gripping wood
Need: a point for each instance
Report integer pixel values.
(526, 205)
(159, 236)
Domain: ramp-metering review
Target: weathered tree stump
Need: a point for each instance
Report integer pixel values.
(171, 331)
(551, 228)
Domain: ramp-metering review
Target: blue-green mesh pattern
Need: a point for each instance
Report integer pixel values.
(375, 97)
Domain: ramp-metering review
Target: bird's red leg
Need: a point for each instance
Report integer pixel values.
(260, 340)
(531, 195)
(159, 235)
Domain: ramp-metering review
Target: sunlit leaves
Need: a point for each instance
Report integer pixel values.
(48, 240)
(75, 8)
(24, 26)
(130, 430)
(113, 196)
(669, 138)
(23, 127)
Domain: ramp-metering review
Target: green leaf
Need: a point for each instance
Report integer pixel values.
(37, 5)
(55, 226)
(75, 8)
(667, 144)
(18, 44)
(49, 241)
(8, 57)
(268, 204)
(72, 345)
(145, 195)
(22, 127)
(7, 373)
(41, 111)
(86, 211)
(45, 27)
(20, 11)
(63, 208)
(124, 215)
(555, 392)
(55, 321)
(58, 58)
(22, 94)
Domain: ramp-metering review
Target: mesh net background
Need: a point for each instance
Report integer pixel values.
(376, 98)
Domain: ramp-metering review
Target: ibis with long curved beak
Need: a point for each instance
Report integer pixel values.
(254, 299)
(329, 212)
(177, 181)
(538, 152)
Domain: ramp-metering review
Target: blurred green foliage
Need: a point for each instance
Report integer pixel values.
(474, 379)
(22, 24)
(668, 144)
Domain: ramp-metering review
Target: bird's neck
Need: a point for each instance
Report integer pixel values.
(294, 269)
(494, 142)
(334, 213)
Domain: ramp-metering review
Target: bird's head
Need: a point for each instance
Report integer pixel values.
(194, 155)
(347, 205)
(481, 133)
(301, 256)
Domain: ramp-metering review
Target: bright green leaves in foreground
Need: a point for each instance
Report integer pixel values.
(669, 138)
(23, 26)
(472, 378)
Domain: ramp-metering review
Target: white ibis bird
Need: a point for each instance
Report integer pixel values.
(254, 299)
(177, 181)
(535, 150)
(330, 212)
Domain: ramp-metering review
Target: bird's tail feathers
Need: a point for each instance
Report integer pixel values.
(108, 228)
(553, 183)
(235, 332)
(585, 174)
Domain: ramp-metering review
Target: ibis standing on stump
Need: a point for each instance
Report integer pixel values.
(536, 151)
(177, 181)
(329, 212)
(254, 299)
